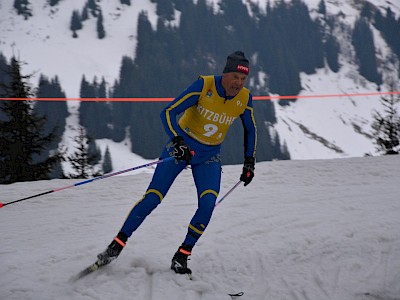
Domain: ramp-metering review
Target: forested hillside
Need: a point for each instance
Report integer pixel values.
(284, 39)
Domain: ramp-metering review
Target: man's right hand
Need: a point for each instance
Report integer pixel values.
(181, 150)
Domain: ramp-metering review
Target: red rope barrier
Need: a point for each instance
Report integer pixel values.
(165, 99)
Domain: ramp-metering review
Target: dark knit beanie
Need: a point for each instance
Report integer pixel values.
(237, 62)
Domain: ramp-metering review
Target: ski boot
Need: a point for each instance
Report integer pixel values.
(179, 261)
(113, 250)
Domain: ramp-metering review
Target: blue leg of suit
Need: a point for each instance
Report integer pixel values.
(163, 177)
(207, 176)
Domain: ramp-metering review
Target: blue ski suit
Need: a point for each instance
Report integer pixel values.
(207, 116)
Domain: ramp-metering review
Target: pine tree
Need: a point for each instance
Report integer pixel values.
(386, 128)
(165, 9)
(107, 163)
(95, 116)
(92, 6)
(390, 29)
(102, 89)
(53, 2)
(4, 75)
(22, 8)
(55, 112)
(332, 50)
(366, 11)
(85, 13)
(101, 33)
(363, 42)
(82, 161)
(76, 23)
(21, 134)
(322, 7)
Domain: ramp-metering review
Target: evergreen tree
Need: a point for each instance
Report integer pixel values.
(4, 75)
(83, 162)
(322, 7)
(122, 111)
(53, 2)
(366, 11)
(76, 23)
(386, 128)
(85, 13)
(101, 33)
(332, 50)
(21, 134)
(92, 6)
(165, 9)
(22, 8)
(107, 163)
(102, 89)
(55, 113)
(95, 116)
(144, 37)
(94, 151)
(390, 29)
(363, 42)
(86, 90)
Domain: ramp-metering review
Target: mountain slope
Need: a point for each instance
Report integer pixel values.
(316, 128)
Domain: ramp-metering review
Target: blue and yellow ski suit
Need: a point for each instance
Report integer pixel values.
(207, 116)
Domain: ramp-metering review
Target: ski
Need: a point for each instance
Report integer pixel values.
(98, 264)
(233, 296)
(90, 269)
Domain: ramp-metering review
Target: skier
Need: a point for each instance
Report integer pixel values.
(209, 107)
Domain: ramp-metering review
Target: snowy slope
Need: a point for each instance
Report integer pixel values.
(333, 127)
(318, 230)
(45, 41)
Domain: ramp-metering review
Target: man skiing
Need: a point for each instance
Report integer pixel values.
(209, 107)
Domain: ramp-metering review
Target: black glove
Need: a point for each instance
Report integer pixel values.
(248, 170)
(181, 150)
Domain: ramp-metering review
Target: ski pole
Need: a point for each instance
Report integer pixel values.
(230, 191)
(90, 180)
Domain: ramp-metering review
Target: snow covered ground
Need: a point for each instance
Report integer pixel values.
(308, 229)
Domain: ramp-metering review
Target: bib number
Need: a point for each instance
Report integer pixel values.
(210, 129)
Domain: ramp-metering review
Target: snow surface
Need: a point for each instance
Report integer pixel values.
(307, 229)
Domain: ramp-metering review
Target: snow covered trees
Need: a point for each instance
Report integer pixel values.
(386, 128)
(83, 160)
(76, 23)
(22, 137)
(23, 8)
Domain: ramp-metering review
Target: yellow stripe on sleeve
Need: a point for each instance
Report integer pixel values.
(168, 110)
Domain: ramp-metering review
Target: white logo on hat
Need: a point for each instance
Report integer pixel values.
(243, 69)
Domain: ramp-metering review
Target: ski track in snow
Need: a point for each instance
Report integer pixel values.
(317, 229)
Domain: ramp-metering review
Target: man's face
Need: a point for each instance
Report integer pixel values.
(233, 82)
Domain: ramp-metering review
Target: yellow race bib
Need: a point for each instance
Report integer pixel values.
(208, 121)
